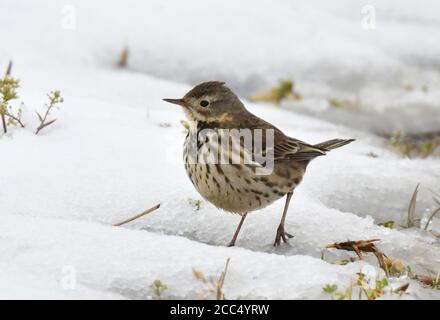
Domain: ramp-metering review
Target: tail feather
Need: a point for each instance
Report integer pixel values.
(333, 144)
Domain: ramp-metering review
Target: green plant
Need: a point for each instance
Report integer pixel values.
(158, 287)
(387, 224)
(366, 288)
(284, 88)
(410, 147)
(344, 104)
(8, 92)
(330, 288)
(196, 203)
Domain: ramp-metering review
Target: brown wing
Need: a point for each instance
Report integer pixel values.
(287, 148)
(284, 147)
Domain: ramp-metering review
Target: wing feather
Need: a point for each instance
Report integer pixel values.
(287, 148)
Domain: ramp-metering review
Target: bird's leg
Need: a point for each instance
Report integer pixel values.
(234, 238)
(281, 234)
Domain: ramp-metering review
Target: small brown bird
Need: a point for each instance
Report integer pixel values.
(237, 182)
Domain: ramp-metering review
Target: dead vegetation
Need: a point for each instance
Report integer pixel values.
(415, 146)
(435, 212)
(362, 246)
(123, 58)
(284, 91)
(213, 286)
(137, 216)
(392, 267)
(430, 281)
(412, 220)
(346, 104)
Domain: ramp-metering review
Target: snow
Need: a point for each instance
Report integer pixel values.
(108, 156)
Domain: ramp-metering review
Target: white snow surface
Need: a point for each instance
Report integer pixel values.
(110, 155)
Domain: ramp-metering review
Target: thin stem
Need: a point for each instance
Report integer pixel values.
(9, 68)
(431, 217)
(43, 121)
(15, 118)
(412, 208)
(5, 130)
(137, 216)
(7, 73)
(221, 281)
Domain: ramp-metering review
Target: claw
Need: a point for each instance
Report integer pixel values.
(281, 234)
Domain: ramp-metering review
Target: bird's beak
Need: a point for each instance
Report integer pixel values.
(180, 102)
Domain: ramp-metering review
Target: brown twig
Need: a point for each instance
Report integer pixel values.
(15, 118)
(123, 58)
(362, 246)
(43, 122)
(54, 99)
(428, 280)
(5, 130)
(9, 68)
(219, 287)
(137, 216)
(402, 288)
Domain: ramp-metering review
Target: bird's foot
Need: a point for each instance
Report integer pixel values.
(281, 235)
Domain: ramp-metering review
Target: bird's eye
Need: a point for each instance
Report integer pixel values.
(204, 103)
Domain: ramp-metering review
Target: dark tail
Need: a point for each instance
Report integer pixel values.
(333, 144)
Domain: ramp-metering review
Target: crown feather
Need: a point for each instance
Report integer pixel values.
(206, 88)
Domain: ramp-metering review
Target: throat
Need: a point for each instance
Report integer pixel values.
(201, 125)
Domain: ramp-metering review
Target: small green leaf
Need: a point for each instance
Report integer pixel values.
(185, 124)
(330, 288)
(387, 224)
(427, 147)
(196, 203)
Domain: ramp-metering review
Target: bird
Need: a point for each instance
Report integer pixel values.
(214, 111)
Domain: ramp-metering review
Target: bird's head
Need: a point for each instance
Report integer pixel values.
(210, 102)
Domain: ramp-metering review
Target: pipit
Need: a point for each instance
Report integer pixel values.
(237, 182)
